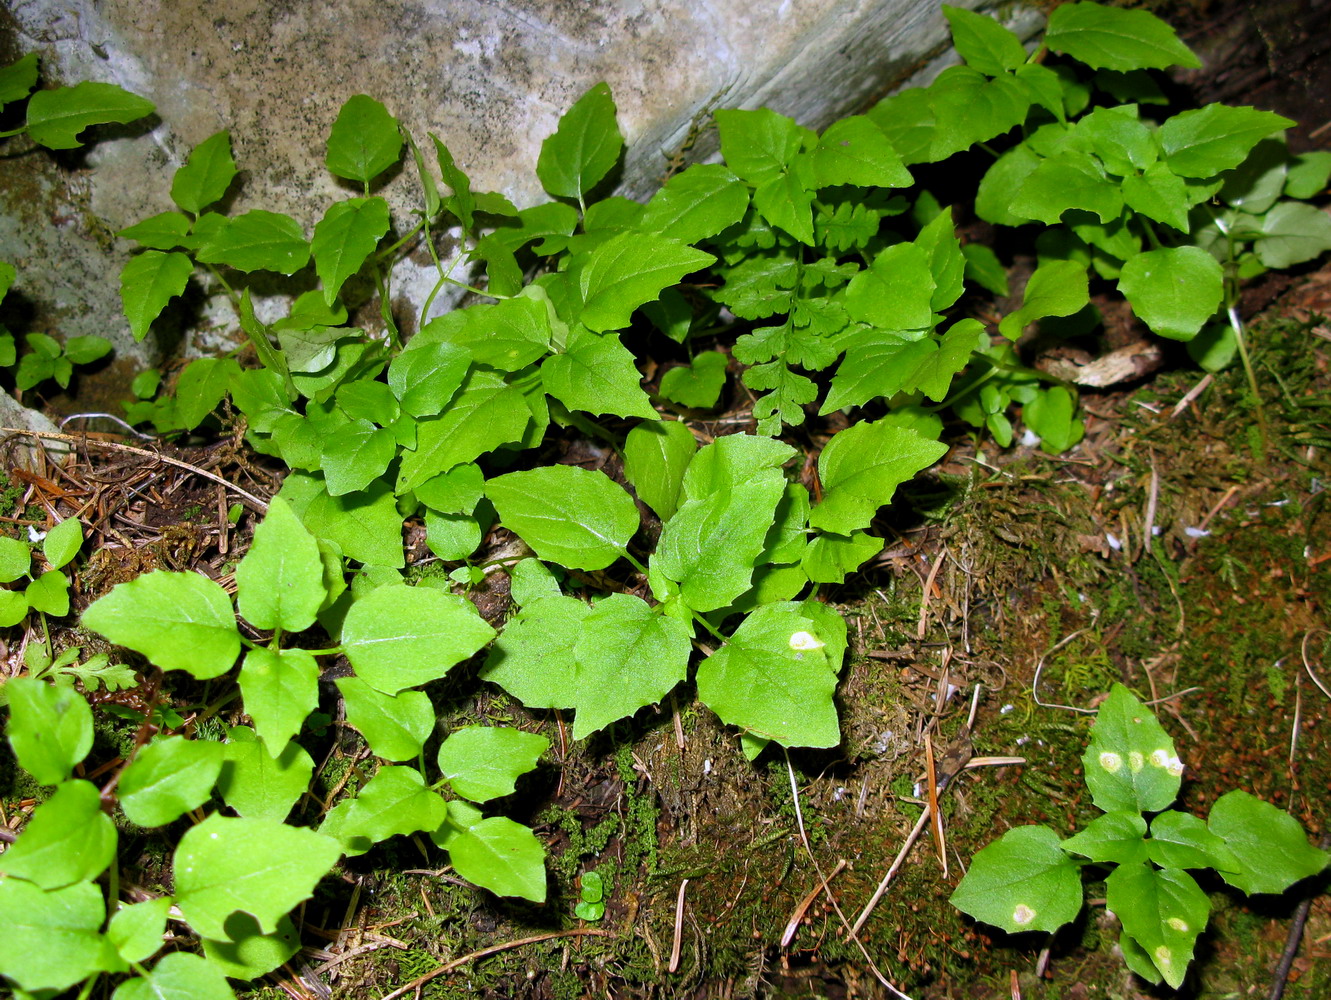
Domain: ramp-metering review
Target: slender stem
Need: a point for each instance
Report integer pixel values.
(331, 651)
(14, 131)
(88, 985)
(708, 626)
(1241, 340)
(634, 562)
(411, 235)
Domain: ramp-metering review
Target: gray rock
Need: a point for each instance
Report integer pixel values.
(24, 450)
(491, 79)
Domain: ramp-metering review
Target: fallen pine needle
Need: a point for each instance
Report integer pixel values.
(494, 950)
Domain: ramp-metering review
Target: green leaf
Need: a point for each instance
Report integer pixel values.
(13, 607)
(1068, 180)
(258, 241)
(355, 455)
(628, 271)
(206, 175)
(462, 203)
(530, 580)
(584, 147)
(486, 413)
(364, 140)
(49, 593)
(786, 201)
(148, 282)
(759, 145)
(280, 689)
(575, 517)
(56, 117)
(1293, 233)
(697, 385)
(984, 43)
(969, 108)
(1052, 414)
(1130, 764)
(774, 678)
(709, 546)
(177, 976)
(1022, 882)
(597, 374)
(760, 285)
(53, 940)
(1173, 290)
(697, 202)
(395, 802)
(50, 728)
(1308, 174)
(365, 526)
(502, 856)
(261, 867)
(395, 726)
(86, 350)
(18, 78)
(168, 778)
(398, 636)
(829, 558)
(895, 293)
(136, 931)
(628, 656)
(655, 457)
(1269, 844)
(1205, 141)
(180, 621)
(1117, 837)
(457, 491)
(1181, 840)
(484, 762)
(1158, 193)
(201, 386)
(425, 377)
(533, 659)
(862, 466)
(279, 582)
(1112, 38)
(251, 954)
(878, 363)
(68, 839)
(344, 239)
(731, 461)
(1162, 911)
(163, 231)
(509, 335)
(255, 783)
(1056, 289)
(15, 559)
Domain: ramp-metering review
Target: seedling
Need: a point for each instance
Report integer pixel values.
(1030, 879)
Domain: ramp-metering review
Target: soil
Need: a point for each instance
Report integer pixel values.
(1172, 551)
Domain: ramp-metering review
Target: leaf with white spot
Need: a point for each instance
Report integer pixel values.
(1022, 882)
(1130, 764)
(1163, 911)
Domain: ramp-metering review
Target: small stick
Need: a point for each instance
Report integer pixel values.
(494, 950)
(1193, 393)
(679, 929)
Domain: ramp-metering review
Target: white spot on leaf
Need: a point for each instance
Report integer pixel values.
(1111, 762)
(1136, 761)
(1163, 956)
(1177, 924)
(806, 640)
(1163, 758)
(1023, 914)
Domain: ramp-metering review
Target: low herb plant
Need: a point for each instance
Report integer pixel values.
(55, 119)
(1030, 879)
(46, 591)
(234, 877)
(800, 254)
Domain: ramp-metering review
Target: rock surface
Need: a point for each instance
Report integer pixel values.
(491, 79)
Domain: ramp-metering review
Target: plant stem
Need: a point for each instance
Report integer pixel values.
(1241, 341)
